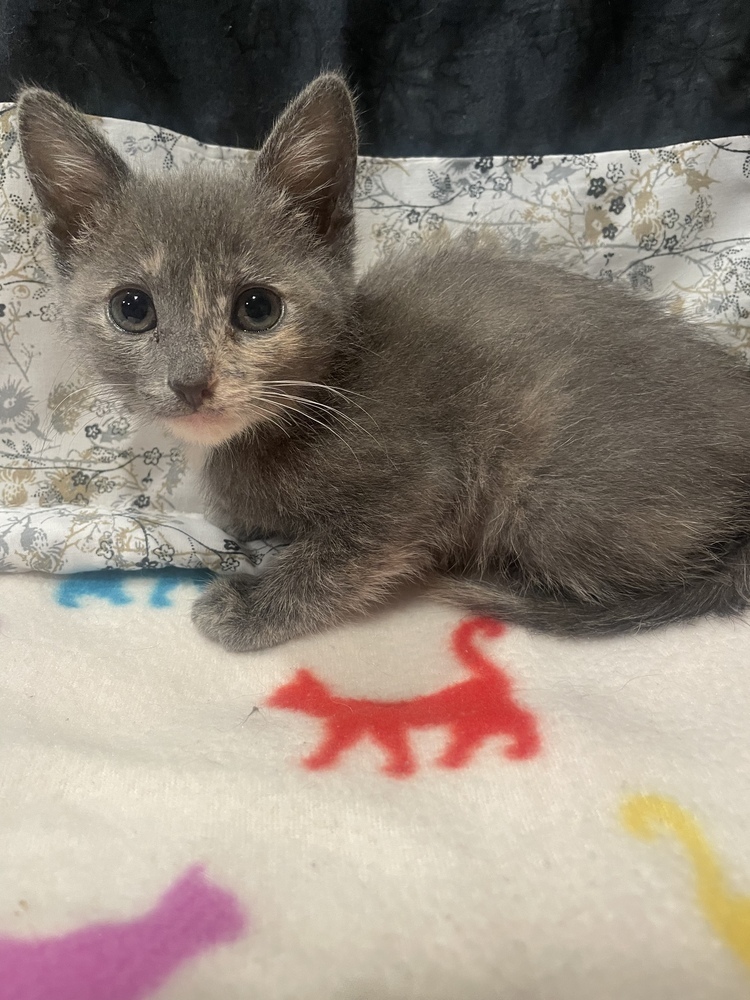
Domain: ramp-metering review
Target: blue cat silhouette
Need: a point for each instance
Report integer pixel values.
(110, 585)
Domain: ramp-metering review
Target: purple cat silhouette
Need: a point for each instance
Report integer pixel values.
(127, 960)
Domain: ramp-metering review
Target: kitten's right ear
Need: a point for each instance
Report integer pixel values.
(71, 165)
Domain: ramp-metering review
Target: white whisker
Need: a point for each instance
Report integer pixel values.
(344, 394)
(294, 410)
(267, 415)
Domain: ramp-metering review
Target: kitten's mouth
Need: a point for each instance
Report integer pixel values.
(206, 427)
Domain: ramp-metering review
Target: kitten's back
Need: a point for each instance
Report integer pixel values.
(612, 433)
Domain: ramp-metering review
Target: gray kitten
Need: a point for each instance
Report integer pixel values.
(531, 444)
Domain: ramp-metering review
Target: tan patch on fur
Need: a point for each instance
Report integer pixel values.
(240, 400)
(154, 263)
(276, 357)
(538, 412)
(396, 566)
(203, 297)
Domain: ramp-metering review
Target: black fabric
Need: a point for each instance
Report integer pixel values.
(435, 77)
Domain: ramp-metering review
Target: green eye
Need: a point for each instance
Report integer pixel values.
(257, 310)
(132, 310)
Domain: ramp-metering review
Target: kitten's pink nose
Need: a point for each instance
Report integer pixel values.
(194, 394)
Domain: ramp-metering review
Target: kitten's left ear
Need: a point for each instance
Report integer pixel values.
(311, 154)
(72, 167)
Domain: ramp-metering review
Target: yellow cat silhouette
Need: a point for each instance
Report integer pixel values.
(647, 815)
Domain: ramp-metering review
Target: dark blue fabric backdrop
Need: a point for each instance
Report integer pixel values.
(435, 77)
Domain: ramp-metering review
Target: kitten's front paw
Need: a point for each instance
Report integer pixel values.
(226, 613)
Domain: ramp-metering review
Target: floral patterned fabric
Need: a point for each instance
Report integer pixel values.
(82, 487)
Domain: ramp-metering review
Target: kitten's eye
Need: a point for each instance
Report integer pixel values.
(133, 311)
(256, 310)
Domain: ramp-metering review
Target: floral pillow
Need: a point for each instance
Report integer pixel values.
(83, 487)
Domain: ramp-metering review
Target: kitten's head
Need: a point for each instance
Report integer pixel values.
(188, 294)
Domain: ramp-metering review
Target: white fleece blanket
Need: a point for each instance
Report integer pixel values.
(410, 808)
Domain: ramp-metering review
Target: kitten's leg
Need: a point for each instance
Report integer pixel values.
(315, 584)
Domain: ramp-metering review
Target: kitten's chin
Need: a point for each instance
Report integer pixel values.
(206, 429)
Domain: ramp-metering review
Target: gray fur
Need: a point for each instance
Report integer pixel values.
(529, 443)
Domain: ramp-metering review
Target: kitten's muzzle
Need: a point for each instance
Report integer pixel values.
(195, 394)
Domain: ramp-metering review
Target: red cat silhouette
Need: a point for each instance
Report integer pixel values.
(474, 710)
